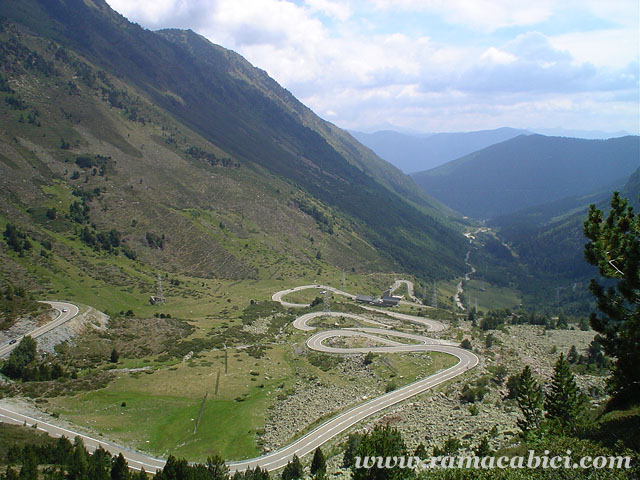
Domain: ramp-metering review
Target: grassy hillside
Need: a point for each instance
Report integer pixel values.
(530, 170)
(242, 112)
(83, 153)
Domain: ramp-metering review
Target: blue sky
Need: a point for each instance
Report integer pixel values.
(433, 65)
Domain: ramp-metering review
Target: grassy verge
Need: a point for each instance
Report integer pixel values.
(155, 412)
(491, 297)
(405, 368)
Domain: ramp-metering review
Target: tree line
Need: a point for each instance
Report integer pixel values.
(25, 364)
(62, 460)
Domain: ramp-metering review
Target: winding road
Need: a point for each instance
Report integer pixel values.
(396, 285)
(380, 333)
(66, 311)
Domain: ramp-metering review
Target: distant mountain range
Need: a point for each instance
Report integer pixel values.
(588, 134)
(530, 170)
(414, 153)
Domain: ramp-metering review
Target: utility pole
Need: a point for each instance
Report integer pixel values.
(159, 296)
(160, 292)
(343, 282)
(325, 302)
(226, 360)
(434, 300)
(195, 427)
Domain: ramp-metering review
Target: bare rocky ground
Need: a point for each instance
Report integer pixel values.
(24, 325)
(317, 399)
(87, 318)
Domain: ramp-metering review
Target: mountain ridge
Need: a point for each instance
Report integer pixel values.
(415, 153)
(203, 123)
(529, 170)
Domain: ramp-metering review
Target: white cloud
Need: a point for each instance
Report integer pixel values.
(337, 10)
(612, 47)
(494, 55)
(486, 15)
(620, 12)
(154, 14)
(332, 55)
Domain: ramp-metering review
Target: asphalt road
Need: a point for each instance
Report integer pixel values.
(136, 460)
(345, 420)
(409, 285)
(277, 297)
(433, 325)
(338, 424)
(71, 311)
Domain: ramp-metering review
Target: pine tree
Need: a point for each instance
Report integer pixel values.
(141, 475)
(217, 468)
(381, 442)
(255, 474)
(114, 357)
(420, 452)
(368, 358)
(529, 398)
(21, 357)
(293, 470)
(352, 444)
(79, 466)
(11, 474)
(318, 464)
(450, 447)
(29, 470)
(595, 356)
(483, 449)
(55, 473)
(100, 465)
(564, 401)
(174, 469)
(614, 248)
(572, 356)
(63, 450)
(120, 469)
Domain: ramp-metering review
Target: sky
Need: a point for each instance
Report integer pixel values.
(432, 65)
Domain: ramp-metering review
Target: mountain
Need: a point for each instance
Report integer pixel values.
(631, 190)
(549, 243)
(530, 170)
(414, 153)
(540, 215)
(591, 134)
(125, 152)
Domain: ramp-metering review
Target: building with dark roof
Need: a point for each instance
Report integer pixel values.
(364, 299)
